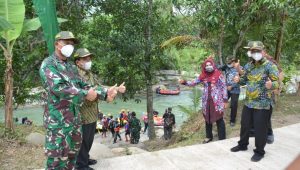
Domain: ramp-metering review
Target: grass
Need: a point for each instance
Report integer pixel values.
(15, 153)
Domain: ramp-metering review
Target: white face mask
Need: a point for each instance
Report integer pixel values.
(230, 65)
(257, 56)
(249, 54)
(87, 65)
(209, 68)
(67, 50)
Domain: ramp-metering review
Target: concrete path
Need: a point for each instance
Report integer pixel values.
(214, 156)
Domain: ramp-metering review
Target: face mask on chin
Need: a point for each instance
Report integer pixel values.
(67, 50)
(257, 56)
(87, 65)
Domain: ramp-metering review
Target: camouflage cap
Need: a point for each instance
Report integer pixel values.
(250, 43)
(66, 35)
(82, 52)
(255, 45)
(230, 59)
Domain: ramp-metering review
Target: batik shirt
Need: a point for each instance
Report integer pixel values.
(230, 74)
(218, 93)
(65, 92)
(255, 77)
(89, 109)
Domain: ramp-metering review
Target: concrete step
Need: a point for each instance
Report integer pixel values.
(214, 155)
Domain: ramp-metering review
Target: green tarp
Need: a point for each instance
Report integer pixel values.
(46, 10)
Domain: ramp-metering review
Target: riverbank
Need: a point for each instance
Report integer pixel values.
(16, 153)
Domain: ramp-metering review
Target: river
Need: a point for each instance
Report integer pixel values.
(160, 103)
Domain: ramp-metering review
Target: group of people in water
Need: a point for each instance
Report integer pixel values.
(132, 125)
(128, 121)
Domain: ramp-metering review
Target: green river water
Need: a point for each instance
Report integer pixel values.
(160, 103)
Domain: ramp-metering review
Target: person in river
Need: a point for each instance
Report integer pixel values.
(214, 98)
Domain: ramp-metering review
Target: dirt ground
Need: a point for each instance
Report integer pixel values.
(16, 154)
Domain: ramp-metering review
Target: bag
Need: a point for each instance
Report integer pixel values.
(111, 124)
(168, 121)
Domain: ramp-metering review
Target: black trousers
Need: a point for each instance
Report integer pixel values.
(146, 126)
(88, 133)
(168, 132)
(221, 129)
(112, 132)
(259, 119)
(116, 135)
(270, 130)
(233, 106)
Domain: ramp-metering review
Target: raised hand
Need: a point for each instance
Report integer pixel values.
(268, 84)
(122, 88)
(112, 93)
(236, 79)
(237, 65)
(92, 95)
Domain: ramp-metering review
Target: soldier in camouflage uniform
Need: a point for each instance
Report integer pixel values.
(134, 128)
(89, 109)
(65, 92)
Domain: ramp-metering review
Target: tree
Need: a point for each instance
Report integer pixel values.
(12, 13)
(148, 70)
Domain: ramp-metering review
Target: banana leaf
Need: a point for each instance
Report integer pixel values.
(46, 10)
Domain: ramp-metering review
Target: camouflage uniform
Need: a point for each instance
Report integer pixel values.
(134, 128)
(65, 93)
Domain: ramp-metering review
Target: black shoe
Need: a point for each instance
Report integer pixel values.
(92, 162)
(238, 148)
(270, 139)
(207, 140)
(256, 157)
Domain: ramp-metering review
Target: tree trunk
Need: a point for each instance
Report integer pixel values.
(220, 46)
(8, 91)
(151, 131)
(298, 91)
(280, 36)
(240, 40)
(239, 43)
(279, 47)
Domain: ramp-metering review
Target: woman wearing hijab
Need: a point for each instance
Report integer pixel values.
(214, 98)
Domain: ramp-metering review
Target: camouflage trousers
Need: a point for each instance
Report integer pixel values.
(62, 146)
(134, 136)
